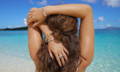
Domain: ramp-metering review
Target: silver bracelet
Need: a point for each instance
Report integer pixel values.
(49, 38)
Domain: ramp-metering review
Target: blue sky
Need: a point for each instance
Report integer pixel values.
(13, 12)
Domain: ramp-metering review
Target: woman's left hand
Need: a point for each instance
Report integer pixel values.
(58, 51)
(35, 15)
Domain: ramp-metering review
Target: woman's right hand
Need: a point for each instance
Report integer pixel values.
(36, 15)
(58, 51)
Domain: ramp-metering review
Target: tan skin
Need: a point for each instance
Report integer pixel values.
(82, 11)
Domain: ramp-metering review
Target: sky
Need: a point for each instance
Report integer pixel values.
(14, 12)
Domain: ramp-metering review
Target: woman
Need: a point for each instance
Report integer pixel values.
(56, 48)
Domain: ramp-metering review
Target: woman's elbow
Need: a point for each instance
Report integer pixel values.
(86, 63)
(87, 60)
(86, 10)
(87, 7)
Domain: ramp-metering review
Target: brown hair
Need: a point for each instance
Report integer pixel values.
(64, 30)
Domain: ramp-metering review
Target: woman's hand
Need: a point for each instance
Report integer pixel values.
(59, 51)
(56, 49)
(35, 16)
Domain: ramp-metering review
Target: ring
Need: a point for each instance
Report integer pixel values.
(61, 56)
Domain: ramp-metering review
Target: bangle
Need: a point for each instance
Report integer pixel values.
(44, 12)
(49, 37)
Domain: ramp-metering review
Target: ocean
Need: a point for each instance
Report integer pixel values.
(107, 49)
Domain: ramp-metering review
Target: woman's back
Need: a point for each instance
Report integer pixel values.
(64, 30)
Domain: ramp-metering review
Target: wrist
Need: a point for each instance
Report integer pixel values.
(46, 9)
(50, 10)
(49, 38)
(45, 29)
(44, 12)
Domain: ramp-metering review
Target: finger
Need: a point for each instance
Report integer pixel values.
(65, 56)
(62, 60)
(51, 55)
(66, 51)
(58, 60)
(30, 16)
(30, 19)
(30, 22)
(35, 24)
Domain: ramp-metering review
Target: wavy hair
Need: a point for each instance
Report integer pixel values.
(64, 30)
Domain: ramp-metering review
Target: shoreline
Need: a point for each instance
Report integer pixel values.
(24, 28)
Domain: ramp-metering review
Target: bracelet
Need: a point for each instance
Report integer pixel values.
(49, 37)
(44, 12)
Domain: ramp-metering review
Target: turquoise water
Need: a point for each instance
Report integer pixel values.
(14, 43)
(107, 48)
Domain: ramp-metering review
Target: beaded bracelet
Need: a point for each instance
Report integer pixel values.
(49, 37)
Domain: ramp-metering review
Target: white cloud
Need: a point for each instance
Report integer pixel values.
(42, 2)
(25, 21)
(91, 1)
(112, 3)
(100, 26)
(100, 19)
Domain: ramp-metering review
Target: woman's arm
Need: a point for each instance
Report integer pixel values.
(34, 44)
(87, 39)
(77, 10)
(86, 27)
